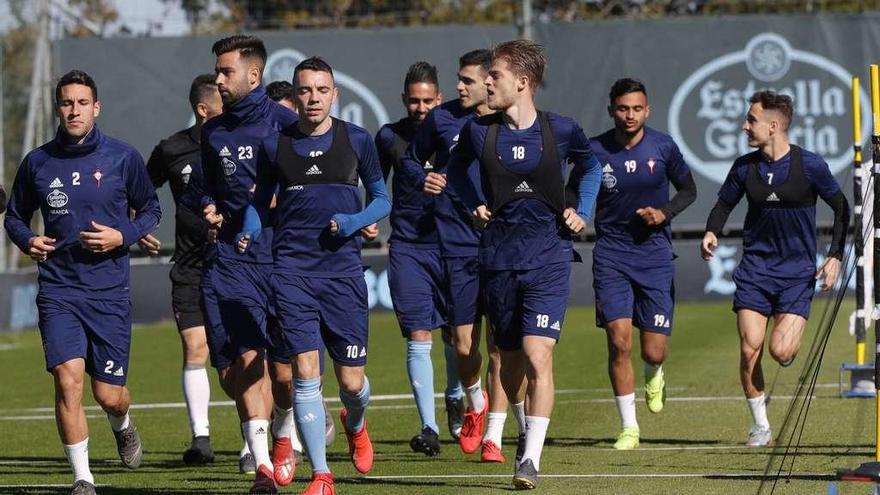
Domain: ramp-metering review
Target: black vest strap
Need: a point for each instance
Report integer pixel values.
(502, 185)
(398, 150)
(338, 165)
(795, 191)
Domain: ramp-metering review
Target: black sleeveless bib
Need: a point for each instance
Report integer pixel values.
(502, 185)
(793, 192)
(338, 165)
(398, 151)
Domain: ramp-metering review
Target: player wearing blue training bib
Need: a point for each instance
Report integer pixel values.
(317, 279)
(777, 273)
(520, 155)
(632, 261)
(84, 183)
(235, 145)
(459, 246)
(415, 266)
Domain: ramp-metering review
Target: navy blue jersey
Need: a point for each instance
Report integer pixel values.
(303, 243)
(525, 233)
(235, 145)
(412, 211)
(72, 185)
(631, 179)
(437, 136)
(779, 242)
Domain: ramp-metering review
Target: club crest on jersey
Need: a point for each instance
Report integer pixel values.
(228, 166)
(56, 183)
(98, 175)
(651, 163)
(185, 172)
(56, 199)
(608, 178)
(224, 151)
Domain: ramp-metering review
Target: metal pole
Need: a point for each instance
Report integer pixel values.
(875, 143)
(858, 234)
(526, 27)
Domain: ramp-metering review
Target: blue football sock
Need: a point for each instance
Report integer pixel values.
(308, 406)
(421, 378)
(356, 405)
(453, 384)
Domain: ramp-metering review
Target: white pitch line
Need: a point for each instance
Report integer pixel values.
(9, 347)
(598, 475)
(33, 418)
(48, 485)
(382, 398)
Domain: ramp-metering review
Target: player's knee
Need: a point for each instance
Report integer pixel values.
(653, 355)
(68, 385)
(619, 347)
(351, 382)
(782, 354)
(112, 399)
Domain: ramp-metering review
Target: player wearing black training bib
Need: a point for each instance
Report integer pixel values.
(777, 273)
(174, 160)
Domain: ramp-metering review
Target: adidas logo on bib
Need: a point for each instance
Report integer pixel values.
(56, 183)
(607, 169)
(224, 151)
(314, 170)
(523, 187)
(772, 197)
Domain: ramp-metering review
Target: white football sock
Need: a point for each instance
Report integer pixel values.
(119, 423)
(256, 431)
(758, 408)
(519, 412)
(475, 396)
(78, 457)
(495, 428)
(626, 407)
(197, 394)
(536, 431)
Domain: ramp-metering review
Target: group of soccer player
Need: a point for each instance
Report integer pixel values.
(268, 275)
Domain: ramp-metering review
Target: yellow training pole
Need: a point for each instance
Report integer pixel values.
(875, 143)
(858, 234)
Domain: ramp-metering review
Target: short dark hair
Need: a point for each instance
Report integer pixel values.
(525, 57)
(420, 72)
(771, 100)
(625, 86)
(316, 64)
(481, 57)
(201, 88)
(76, 77)
(280, 90)
(247, 46)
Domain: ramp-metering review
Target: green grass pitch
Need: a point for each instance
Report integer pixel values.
(690, 448)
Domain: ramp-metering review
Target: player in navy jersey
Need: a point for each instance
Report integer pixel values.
(234, 146)
(518, 158)
(317, 278)
(84, 183)
(173, 161)
(459, 244)
(633, 269)
(776, 276)
(415, 267)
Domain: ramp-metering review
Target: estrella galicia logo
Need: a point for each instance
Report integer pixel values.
(356, 102)
(708, 109)
(56, 199)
